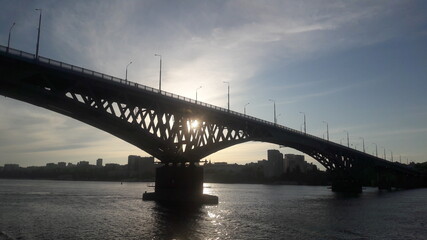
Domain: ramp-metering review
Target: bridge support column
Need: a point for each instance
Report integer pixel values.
(180, 184)
(384, 180)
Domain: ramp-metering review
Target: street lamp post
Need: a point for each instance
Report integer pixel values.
(196, 91)
(327, 130)
(274, 105)
(8, 39)
(228, 94)
(348, 139)
(376, 149)
(363, 143)
(244, 108)
(126, 76)
(305, 125)
(391, 155)
(38, 35)
(385, 156)
(160, 74)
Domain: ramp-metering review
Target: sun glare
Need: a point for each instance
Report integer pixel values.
(195, 124)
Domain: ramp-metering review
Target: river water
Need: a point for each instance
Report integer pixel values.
(36, 209)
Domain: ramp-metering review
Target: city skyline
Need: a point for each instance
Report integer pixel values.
(357, 66)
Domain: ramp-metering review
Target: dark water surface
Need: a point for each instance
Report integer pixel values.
(108, 210)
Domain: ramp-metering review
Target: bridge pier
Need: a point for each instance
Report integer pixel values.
(387, 180)
(346, 185)
(179, 184)
(384, 181)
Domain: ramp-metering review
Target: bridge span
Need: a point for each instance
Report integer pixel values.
(176, 130)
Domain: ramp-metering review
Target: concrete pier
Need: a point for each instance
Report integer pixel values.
(346, 186)
(180, 184)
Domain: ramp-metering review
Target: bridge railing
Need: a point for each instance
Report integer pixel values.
(76, 69)
(73, 68)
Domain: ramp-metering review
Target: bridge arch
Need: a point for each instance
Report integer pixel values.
(170, 127)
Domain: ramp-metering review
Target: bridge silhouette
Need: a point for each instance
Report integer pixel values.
(178, 131)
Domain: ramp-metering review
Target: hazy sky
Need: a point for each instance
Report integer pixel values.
(359, 65)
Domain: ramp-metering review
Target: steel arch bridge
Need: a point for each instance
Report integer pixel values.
(172, 128)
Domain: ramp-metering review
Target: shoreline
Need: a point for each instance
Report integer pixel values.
(290, 183)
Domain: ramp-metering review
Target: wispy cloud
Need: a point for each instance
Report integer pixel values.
(316, 94)
(310, 28)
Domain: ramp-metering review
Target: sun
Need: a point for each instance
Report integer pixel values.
(195, 124)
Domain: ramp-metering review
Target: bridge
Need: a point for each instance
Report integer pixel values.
(176, 130)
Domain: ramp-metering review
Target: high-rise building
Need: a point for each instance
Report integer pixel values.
(99, 162)
(274, 164)
(295, 163)
(141, 167)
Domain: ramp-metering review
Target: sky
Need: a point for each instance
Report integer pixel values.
(359, 66)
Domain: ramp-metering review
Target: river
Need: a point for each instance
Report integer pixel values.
(38, 209)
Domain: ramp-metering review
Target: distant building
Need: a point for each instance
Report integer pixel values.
(83, 163)
(220, 163)
(50, 165)
(274, 165)
(10, 167)
(297, 163)
(99, 162)
(262, 162)
(222, 166)
(112, 165)
(141, 167)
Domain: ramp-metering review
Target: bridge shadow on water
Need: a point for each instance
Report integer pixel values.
(347, 195)
(174, 221)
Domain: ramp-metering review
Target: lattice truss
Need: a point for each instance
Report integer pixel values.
(183, 133)
(333, 161)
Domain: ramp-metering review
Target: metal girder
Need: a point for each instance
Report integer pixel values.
(171, 133)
